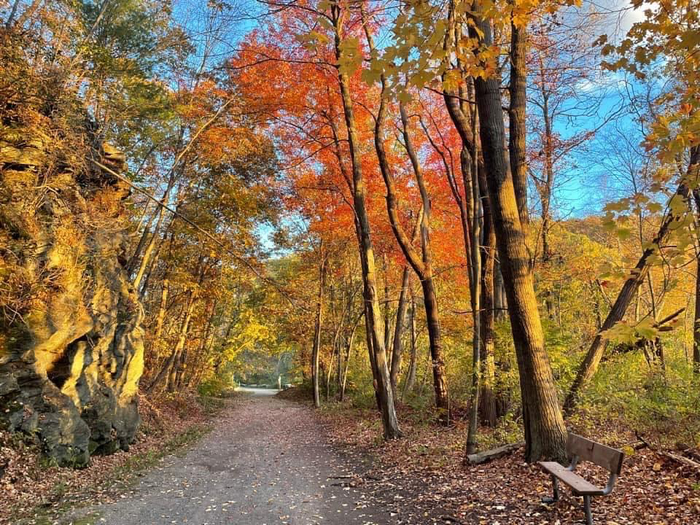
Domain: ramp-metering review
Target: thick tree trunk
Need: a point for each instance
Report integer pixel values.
(545, 433)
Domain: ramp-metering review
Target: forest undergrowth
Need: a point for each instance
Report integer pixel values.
(424, 476)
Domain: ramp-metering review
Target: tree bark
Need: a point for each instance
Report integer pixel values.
(487, 404)
(387, 306)
(165, 372)
(373, 310)
(315, 354)
(160, 319)
(545, 433)
(348, 350)
(398, 329)
(411, 376)
(517, 133)
(475, 294)
(500, 301)
(696, 322)
(422, 265)
(131, 265)
(694, 154)
(425, 272)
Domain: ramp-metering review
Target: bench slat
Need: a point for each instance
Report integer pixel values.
(597, 453)
(578, 484)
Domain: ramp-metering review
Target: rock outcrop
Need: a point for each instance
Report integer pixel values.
(71, 350)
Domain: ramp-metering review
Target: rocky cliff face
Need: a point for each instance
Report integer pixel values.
(71, 350)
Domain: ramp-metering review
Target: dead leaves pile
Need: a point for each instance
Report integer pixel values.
(422, 480)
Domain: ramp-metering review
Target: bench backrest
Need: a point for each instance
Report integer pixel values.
(601, 455)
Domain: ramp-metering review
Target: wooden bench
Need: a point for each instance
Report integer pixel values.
(581, 449)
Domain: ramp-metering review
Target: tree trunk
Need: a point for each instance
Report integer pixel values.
(545, 191)
(545, 433)
(411, 377)
(204, 347)
(154, 260)
(180, 370)
(348, 351)
(369, 274)
(398, 329)
(500, 301)
(166, 370)
(160, 319)
(696, 321)
(131, 265)
(160, 213)
(696, 315)
(315, 354)
(517, 132)
(475, 293)
(329, 373)
(425, 272)
(387, 306)
(421, 264)
(487, 405)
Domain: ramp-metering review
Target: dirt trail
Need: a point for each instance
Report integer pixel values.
(266, 462)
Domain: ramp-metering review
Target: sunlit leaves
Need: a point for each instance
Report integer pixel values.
(630, 333)
(350, 55)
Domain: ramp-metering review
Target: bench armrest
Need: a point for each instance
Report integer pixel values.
(574, 462)
(610, 485)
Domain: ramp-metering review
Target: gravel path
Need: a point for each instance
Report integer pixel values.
(266, 462)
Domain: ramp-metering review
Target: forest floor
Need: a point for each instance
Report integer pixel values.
(421, 479)
(271, 460)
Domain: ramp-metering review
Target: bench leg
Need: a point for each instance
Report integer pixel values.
(587, 509)
(555, 497)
